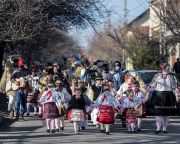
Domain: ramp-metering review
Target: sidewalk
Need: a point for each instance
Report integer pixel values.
(3, 107)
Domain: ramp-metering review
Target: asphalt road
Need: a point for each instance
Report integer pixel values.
(33, 131)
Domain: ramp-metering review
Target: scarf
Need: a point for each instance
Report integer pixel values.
(49, 94)
(104, 98)
(136, 91)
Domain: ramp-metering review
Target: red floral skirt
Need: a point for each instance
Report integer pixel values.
(50, 110)
(106, 115)
(130, 115)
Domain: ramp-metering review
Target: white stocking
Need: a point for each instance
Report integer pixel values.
(158, 122)
(28, 107)
(35, 108)
(139, 121)
(57, 123)
(102, 126)
(52, 123)
(40, 110)
(62, 121)
(48, 123)
(128, 126)
(132, 126)
(165, 122)
(75, 127)
(107, 127)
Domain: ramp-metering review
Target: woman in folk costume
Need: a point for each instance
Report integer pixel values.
(140, 99)
(77, 110)
(106, 104)
(65, 98)
(5, 86)
(165, 99)
(121, 95)
(50, 99)
(130, 114)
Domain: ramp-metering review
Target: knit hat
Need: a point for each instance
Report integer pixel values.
(20, 63)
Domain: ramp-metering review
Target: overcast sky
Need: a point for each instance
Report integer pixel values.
(135, 7)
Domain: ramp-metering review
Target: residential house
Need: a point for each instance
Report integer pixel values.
(142, 24)
(159, 29)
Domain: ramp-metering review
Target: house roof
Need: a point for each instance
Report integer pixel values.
(138, 17)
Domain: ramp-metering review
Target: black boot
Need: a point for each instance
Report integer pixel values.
(17, 117)
(22, 116)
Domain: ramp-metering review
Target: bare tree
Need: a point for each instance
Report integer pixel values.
(22, 21)
(142, 50)
(168, 11)
(104, 48)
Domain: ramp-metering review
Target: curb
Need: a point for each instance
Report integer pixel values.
(1, 118)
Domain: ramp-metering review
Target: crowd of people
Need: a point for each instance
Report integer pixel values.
(87, 91)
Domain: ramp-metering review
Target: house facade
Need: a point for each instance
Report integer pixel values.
(149, 23)
(160, 30)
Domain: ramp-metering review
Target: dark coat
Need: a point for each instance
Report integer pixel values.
(77, 103)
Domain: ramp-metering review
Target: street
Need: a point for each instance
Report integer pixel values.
(33, 131)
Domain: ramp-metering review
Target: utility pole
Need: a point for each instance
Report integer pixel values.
(125, 27)
(125, 12)
(162, 37)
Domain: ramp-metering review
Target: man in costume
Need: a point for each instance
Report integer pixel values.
(21, 73)
(117, 75)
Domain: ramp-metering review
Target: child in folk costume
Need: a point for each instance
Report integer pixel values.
(106, 104)
(74, 85)
(81, 85)
(129, 105)
(140, 99)
(65, 98)
(121, 95)
(42, 89)
(34, 92)
(76, 110)
(50, 111)
(88, 103)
